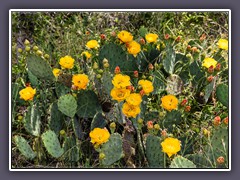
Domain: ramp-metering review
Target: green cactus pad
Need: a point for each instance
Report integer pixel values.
(208, 90)
(169, 60)
(199, 160)
(77, 127)
(195, 70)
(33, 79)
(39, 67)
(52, 144)
(98, 121)
(61, 90)
(112, 149)
(88, 104)
(173, 117)
(174, 84)
(154, 153)
(116, 56)
(67, 105)
(181, 162)
(222, 94)
(32, 121)
(71, 150)
(143, 31)
(24, 147)
(107, 83)
(55, 118)
(158, 82)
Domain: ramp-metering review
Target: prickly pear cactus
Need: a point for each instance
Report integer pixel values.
(116, 56)
(24, 147)
(154, 152)
(55, 118)
(208, 90)
(199, 159)
(112, 149)
(196, 72)
(61, 90)
(158, 82)
(98, 121)
(88, 104)
(77, 128)
(32, 121)
(52, 144)
(33, 79)
(71, 150)
(181, 162)
(67, 105)
(39, 67)
(173, 117)
(222, 94)
(107, 83)
(143, 31)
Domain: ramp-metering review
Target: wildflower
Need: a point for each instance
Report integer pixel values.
(130, 110)
(146, 85)
(125, 36)
(120, 94)
(171, 146)
(66, 62)
(150, 125)
(56, 72)
(134, 99)
(207, 62)
(86, 54)
(169, 102)
(27, 93)
(121, 81)
(99, 136)
(223, 44)
(134, 48)
(92, 44)
(80, 81)
(151, 37)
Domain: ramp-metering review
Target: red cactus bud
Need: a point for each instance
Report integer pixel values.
(103, 36)
(87, 32)
(225, 120)
(218, 67)
(166, 36)
(194, 49)
(27, 84)
(184, 102)
(150, 66)
(211, 69)
(150, 125)
(164, 133)
(178, 38)
(188, 47)
(210, 78)
(117, 70)
(113, 33)
(217, 121)
(187, 108)
(142, 93)
(135, 74)
(203, 37)
(142, 41)
(220, 160)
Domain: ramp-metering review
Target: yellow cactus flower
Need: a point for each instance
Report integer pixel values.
(120, 94)
(171, 146)
(56, 72)
(169, 102)
(27, 93)
(207, 62)
(121, 81)
(66, 62)
(150, 37)
(133, 48)
(86, 54)
(99, 136)
(92, 44)
(125, 36)
(130, 110)
(134, 99)
(146, 85)
(223, 44)
(80, 81)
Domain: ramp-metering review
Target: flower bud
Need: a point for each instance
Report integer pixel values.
(87, 32)
(117, 70)
(101, 156)
(100, 71)
(98, 76)
(187, 108)
(142, 93)
(164, 133)
(150, 66)
(211, 69)
(20, 50)
(150, 78)
(142, 41)
(39, 52)
(20, 117)
(26, 42)
(140, 121)
(62, 132)
(105, 61)
(166, 36)
(156, 127)
(210, 78)
(203, 37)
(184, 102)
(178, 38)
(188, 47)
(206, 132)
(135, 74)
(194, 49)
(218, 67)
(27, 48)
(35, 48)
(103, 36)
(217, 121)
(95, 65)
(150, 125)
(225, 120)
(143, 77)
(46, 56)
(106, 65)
(220, 160)
(113, 33)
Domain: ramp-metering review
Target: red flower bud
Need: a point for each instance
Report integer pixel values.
(225, 121)
(217, 121)
(218, 67)
(117, 70)
(103, 36)
(220, 160)
(27, 84)
(188, 47)
(150, 66)
(166, 36)
(187, 108)
(142, 41)
(210, 78)
(135, 74)
(203, 37)
(113, 33)
(149, 124)
(211, 69)
(87, 32)
(164, 133)
(194, 49)
(178, 38)
(184, 102)
(142, 93)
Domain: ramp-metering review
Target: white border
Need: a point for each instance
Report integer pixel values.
(118, 10)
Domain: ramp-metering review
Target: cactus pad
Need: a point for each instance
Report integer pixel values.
(181, 162)
(98, 121)
(158, 82)
(222, 94)
(174, 84)
(71, 150)
(55, 118)
(39, 67)
(67, 105)
(173, 117)
(169, 60)
(154, 152)
(24, 147)
(112, 149)
(52, 144)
